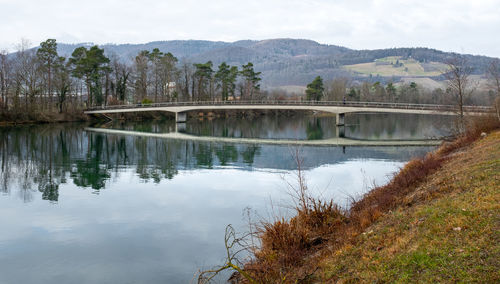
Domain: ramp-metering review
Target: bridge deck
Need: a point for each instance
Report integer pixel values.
(331, 107)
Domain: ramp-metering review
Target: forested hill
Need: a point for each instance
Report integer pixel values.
(298, 61)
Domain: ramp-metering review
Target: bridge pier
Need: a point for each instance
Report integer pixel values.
(180, 121)
(339, 118)
(340, 131)
(180, 127)
(180, 117)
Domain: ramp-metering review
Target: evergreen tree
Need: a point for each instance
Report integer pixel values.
(315, 89)
(226, 79)
(391, 91)
(90, 65)
(252, 80)
(47, 56)
(155, 58)
(414, 93)
(168, 72)
(141, 75)
(203, 73)
(353, 95)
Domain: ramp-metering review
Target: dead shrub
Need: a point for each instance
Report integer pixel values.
(285, 244)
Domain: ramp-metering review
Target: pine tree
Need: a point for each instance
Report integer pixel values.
(47, 55)
(226, 78)
(90, 65)
(315, 89)
(203, 73)
(252, 80)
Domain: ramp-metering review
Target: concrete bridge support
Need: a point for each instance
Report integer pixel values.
(340, 119)
(180, 121)
(180, 117)
(180, 127)
(340, 131)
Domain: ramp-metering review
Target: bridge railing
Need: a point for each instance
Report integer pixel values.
(299, 103)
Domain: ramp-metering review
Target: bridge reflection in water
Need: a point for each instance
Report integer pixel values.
(336, 141)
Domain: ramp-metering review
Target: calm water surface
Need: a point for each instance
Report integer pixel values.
(83, 207)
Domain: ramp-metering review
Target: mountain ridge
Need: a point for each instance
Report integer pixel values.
(287, 61)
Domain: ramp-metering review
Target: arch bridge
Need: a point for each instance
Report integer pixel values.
(180, 109)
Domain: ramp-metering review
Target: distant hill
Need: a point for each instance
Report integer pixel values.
(297, 61)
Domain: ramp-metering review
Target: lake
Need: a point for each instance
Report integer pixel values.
(79, 206)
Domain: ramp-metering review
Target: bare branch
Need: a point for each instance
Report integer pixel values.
(231, 240)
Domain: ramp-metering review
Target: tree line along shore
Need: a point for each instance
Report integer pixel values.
(39, 85)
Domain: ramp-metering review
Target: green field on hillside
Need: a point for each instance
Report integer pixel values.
(397, 66)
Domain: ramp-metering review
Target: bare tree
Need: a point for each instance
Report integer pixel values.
(185, 80)
(459, 84)
(62, 81)
(28, 75)
(122, 74)
(5, 79)
(494, 76)
(338, 89)
(365, 91)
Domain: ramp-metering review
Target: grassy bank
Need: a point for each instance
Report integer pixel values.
(446, 230)
(437, 220)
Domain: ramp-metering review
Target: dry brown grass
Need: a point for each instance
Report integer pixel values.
(287, 244)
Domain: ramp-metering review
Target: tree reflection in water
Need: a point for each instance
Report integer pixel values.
(40, 158)
(43, 157)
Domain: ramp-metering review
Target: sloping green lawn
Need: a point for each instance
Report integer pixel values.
(448, 232)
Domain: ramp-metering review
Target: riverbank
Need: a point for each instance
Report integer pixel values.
(9, 119)
(446, 230)
(437, 220)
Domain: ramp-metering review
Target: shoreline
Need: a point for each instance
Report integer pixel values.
(325, 243)
(42, 118)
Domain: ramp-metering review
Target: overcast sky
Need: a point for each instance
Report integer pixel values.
(465, 26)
